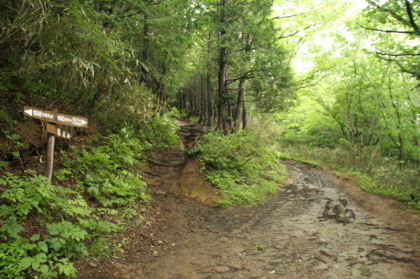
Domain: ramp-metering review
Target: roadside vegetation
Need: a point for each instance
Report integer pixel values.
(242, 166)
(98, 190)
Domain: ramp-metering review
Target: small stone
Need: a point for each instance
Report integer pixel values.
(163, 193)
(222, 269)
(93, 264)
(322, 266)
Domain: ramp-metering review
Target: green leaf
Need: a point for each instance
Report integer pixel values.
(35, 237)
(26, 262)
(42, 257)
(12, 228)
(35, 265)
(43, 246)
(56, 245)
(68, 270)
(44, 269)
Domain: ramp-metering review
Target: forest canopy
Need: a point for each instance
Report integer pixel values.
(223, 62)
(212, 59)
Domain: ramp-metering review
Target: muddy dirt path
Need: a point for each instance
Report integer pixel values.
(317, 226)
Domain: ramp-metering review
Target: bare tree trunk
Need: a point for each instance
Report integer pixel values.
(238, 121)
(210, 105)
(223, 124)
(245, 114)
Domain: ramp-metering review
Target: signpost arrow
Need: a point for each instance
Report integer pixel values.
(54, 117)
(52, 130)
(28, 112)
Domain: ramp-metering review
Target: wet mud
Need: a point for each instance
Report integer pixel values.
(316, 226)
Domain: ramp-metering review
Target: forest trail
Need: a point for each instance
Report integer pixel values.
(317, 226)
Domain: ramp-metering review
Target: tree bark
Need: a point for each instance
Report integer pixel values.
(223, 124)
(239, 115)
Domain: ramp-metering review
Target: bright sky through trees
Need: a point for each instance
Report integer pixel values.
(320, 23)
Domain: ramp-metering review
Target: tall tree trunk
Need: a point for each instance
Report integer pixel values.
(238, 121)
(209, 86)
(223, 124)
(210, 105)
(204, 101)
(245, 114)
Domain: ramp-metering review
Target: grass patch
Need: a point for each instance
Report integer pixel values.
(241, 167)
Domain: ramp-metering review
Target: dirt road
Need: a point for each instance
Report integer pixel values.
(317, 226)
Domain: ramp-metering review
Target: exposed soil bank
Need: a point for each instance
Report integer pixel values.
(317, 226)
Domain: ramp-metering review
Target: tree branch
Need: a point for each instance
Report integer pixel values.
(397, 55)
(410, 16)
(296, 32)
(405, 70)
(391, 31)
(240, 165)
(391, 12)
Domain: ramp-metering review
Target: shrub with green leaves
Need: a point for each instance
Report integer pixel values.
(160, 131)
(46, 254)
(106, 170)
(241, 167)
(105, 187)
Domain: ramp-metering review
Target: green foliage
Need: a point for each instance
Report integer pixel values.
(135, 113)
(105, 171)
(261, 248)
(46, 256)
(160, 131)
(394, 25)
(26, 193)
(67, 219)
(41, 258)
(6, 83)
(241, 167)
(14, 143)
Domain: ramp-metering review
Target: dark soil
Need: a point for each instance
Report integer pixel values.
(316, 226)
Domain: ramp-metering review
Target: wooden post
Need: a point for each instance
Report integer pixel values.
(49, 161)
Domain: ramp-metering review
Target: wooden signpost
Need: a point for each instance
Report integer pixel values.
(53, 118)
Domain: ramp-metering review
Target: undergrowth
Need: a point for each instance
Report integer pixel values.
(243, 168)
(44, 227)
(374, 173)
(105, 170)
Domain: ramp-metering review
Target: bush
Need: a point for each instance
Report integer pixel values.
(46, 255)
(106, 170)
(241, 167)
(104, 184)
